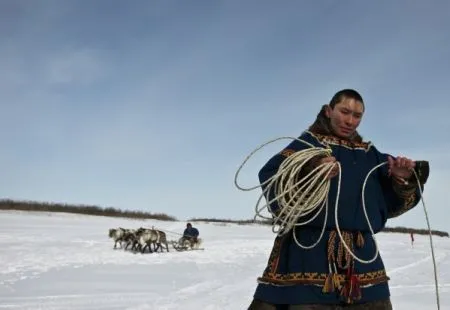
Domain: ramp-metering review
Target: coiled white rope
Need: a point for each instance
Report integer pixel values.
(301, 198)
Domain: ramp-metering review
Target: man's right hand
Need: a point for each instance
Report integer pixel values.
(334, 172)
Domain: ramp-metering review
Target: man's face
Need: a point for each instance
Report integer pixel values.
(345, 117)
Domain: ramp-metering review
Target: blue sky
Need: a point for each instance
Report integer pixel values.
(153, 105)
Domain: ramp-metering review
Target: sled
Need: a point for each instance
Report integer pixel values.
(186, 245)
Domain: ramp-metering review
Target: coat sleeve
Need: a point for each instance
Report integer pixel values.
(272, 166)
(402, 195)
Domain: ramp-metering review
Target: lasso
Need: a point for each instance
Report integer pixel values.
(298, 199)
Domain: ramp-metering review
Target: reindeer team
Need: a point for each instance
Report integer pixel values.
(139, 239)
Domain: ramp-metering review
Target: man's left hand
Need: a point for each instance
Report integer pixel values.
(401, 167)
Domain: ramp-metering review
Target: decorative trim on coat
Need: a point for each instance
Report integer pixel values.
(314, 278)
(287, 152)
(408, 204)
(326, 140)
(271, 276)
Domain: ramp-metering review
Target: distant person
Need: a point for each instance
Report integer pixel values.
(412, 239)
(190, 234)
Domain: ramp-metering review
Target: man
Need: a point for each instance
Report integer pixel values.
(327, 277)
(190, 234)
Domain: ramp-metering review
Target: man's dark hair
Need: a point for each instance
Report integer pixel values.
(345, 93)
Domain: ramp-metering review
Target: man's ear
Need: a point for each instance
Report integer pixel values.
(328, 110)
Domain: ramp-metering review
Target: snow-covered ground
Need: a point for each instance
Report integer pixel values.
(67, 261)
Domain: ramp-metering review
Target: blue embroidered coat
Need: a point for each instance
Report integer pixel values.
(327, 274)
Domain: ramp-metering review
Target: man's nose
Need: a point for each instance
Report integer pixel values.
(350, 120)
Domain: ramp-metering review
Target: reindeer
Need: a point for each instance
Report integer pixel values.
(117, 235)
(161, 239)
(130, 238)
(146, 237)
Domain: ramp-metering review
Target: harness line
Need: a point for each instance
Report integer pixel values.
(299, 198)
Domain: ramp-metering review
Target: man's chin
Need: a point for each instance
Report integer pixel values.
(344, 134)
